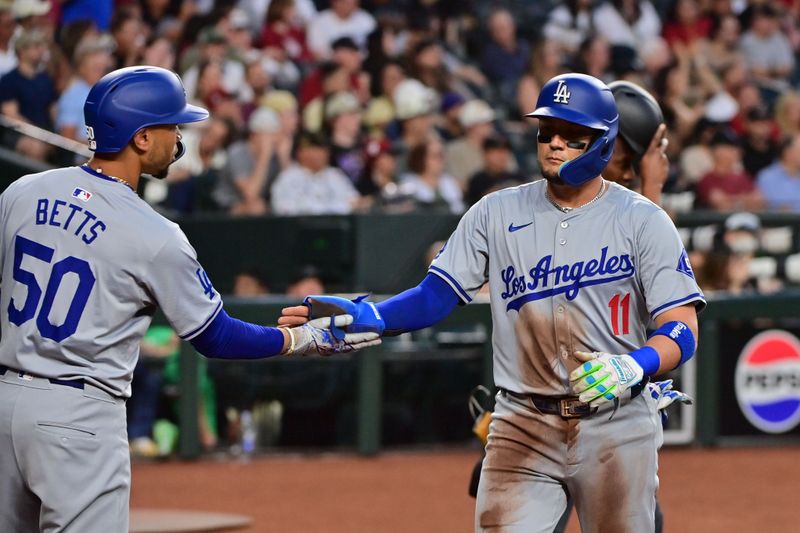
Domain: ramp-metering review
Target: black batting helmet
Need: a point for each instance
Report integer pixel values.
(639, 115)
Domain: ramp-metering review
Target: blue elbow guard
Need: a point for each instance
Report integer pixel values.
(682, 335)
(366, 317)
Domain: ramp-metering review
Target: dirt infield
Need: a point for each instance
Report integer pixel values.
(708, 491)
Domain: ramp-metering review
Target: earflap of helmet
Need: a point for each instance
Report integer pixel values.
(589, 164)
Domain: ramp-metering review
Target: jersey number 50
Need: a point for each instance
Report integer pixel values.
(74, 265)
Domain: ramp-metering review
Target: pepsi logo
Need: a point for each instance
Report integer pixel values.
(768, 381)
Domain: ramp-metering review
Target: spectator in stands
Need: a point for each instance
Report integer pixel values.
(166, 18)
(214, 48)
(767, 50)
(257, 83)
(686, 25)
(130, 36)
(250, 282)
(787, 113)
(450, 127)
(759, 148)
(498, 158)
(98, 11)
(345, 62)
(307, 281)
(284, 35)
(378, 182)
(464, 156)
(193, 178)
(627, 24)
(257, 11)
(415, 108)
(505, 57)
(27, 93)
(546, 62)
(159, 52)
(285, 105)
(344, 19)
(721, 50)
(594, 58)
(34, 15)
(569, 24)
(211, 93)
(780, 182)
(312, 186)
(728, 186)
(427, 182)
(92, 61)
(343, 128)
(8, 58)
(252, 165)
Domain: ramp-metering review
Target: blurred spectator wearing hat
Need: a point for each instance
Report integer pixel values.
(766, 49)
(343, 19)
(505, 57)
(780, 182)
(252, 165)
(378, 183)
(35, 15)
(284, 35)
(728, 186)
(284, 104)
(343, 129)
(98, 11)
(415, 107)
(130, 35)
(28, 93)
(450, 127)
(427, 181)
(759, 148)
(464, 156)
(345, 57)
(312, 186)
(91, 62)
(494, 175)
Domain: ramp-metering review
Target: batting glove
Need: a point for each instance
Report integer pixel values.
(665, 395)
(325, 337)
(604, 377)
(366, 317)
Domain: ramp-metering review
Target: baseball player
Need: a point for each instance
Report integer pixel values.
(85, 262)
(577, 268)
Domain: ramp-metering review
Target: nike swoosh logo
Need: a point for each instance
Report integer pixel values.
(512, 228)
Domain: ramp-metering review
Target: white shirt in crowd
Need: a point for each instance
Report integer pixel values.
(327, 27)
(298, 191)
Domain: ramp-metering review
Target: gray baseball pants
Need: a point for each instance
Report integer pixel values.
(64, 459)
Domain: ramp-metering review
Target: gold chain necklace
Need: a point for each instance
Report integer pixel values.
(568, 209)
(118, 180)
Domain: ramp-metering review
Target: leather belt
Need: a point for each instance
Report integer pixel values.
(566, 407)
(74, 383)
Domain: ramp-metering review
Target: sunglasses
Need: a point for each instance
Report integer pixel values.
(545, 138)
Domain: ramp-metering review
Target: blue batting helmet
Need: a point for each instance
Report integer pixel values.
(129, 99)
(587, 101)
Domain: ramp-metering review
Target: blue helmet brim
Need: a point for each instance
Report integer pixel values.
(569, 115)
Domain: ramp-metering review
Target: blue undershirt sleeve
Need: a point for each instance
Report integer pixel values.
(419, 307)
(229, 338)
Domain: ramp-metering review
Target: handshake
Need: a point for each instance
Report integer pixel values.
(329, 325)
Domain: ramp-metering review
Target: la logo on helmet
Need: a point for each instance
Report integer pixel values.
(562, 93)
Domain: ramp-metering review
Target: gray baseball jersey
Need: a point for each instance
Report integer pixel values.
(590, 279)
(90, 262)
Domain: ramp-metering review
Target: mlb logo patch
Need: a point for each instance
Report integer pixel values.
(81, 194)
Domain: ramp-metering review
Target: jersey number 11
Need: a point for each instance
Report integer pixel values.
(619, 313)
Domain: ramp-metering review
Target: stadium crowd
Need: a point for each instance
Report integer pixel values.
(348, 106)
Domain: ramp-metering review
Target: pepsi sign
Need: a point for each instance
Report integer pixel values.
(768, 381)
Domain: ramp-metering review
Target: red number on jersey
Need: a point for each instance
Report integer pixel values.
(620, 306)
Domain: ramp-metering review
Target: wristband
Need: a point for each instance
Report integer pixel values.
(648, 359)
(682, 335)
(290, 350)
